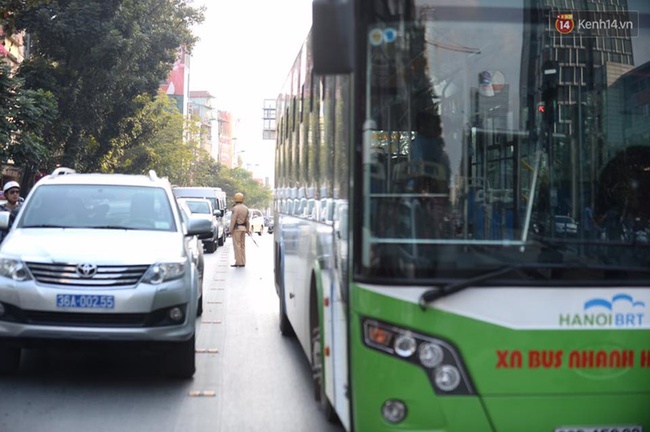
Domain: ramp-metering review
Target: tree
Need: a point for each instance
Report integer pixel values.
(25, 115)
(97, 57)
(9, 9)
(150, 139)
(233, 180)
(153, 138)
(95, 67)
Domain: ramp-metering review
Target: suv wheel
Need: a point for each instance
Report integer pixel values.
(199, 307)
(211, 247)
(9, 358)
(180, 359)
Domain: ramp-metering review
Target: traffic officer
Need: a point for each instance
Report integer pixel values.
(239, 227)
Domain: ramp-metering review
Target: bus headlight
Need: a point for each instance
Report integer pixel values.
(439, 359)
(393, 411)
(447, 377)
(430, 354)
(405, 346)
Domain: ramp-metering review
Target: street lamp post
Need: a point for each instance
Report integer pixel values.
(249, 165)
(237, 161)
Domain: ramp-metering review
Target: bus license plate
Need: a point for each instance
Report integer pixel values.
(85, 301)
(633, 428)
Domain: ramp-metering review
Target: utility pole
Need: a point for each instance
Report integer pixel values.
(550, 81)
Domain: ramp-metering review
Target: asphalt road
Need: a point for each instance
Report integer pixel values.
(249, 377)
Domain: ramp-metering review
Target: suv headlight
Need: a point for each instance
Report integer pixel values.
(163, 272)
(14, 269)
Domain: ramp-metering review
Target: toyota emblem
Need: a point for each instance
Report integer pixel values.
(86, 270)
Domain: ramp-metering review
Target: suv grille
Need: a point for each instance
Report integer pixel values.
(69, 274)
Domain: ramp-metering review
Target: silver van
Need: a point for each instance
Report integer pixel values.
(216, 196)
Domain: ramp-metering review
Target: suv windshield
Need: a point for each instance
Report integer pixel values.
(98, 206)
(477, 159)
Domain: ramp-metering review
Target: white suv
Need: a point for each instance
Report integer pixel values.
(100, 258)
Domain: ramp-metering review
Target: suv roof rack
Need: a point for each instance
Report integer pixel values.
(62, 171)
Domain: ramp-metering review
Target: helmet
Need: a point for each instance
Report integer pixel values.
(9, 185)
(239, 197)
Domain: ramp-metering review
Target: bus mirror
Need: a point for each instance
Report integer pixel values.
(332, 36)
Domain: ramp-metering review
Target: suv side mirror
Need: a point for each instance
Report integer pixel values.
(218, 213)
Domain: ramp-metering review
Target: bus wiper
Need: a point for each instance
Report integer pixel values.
(445, 290)
(436, 293)
(454, 287)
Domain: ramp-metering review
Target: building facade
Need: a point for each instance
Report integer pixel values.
(587, 67)
(226, 149)
(13, 48)
(177, 84)
(201, 111)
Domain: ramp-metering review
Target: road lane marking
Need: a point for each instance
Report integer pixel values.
(202, 393)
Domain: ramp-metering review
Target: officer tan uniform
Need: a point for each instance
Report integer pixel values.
(239, 227)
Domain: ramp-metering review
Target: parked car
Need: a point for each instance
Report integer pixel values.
(566, 226)
(103, 258)
(256, 218)
(195, 248)
(226, 221)
(216, 196)
(202, 208)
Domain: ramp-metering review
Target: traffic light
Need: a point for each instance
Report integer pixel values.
(550, 72)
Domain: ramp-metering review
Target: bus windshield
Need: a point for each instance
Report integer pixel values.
(500, 136)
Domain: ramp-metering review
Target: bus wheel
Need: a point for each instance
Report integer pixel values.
(317, 374)
(286, 329)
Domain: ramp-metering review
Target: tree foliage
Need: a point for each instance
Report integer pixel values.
(157, 138)
(24, 116)
(87, 96)
(97, 57)
(152, 137)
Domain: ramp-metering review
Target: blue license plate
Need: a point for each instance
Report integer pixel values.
(85, 301)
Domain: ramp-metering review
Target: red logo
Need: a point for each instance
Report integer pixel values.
(564, 23)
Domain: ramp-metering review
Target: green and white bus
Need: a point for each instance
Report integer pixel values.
(462, 214)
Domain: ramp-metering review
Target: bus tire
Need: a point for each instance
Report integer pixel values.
(317, 374)
(286, 329)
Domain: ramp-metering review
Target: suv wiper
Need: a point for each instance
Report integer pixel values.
(116, 227)
(454, 287)
(46, 226)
